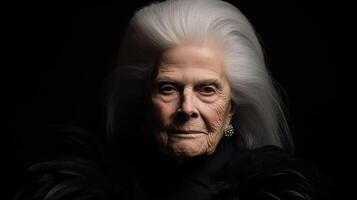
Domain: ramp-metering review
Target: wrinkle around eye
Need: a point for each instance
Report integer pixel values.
(167, 89)
(207, 91)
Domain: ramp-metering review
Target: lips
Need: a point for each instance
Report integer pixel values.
(184, 131)
(186, 134)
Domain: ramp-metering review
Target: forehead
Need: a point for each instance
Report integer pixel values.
(192, 58)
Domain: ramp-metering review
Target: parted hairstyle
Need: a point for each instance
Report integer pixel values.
(259, 115)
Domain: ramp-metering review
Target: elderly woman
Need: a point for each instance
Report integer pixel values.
(192, 114)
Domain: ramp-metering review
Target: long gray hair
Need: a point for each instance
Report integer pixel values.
(258, 116)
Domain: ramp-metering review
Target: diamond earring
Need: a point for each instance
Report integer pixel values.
(229, 131)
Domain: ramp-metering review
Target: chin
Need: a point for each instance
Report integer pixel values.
(184, 152)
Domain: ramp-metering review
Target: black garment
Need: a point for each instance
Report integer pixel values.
(137, 169)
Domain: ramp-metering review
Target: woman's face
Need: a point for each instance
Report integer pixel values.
(191, 100)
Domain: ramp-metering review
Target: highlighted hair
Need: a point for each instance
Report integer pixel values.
(258, 116)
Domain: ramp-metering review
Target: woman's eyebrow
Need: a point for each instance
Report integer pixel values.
(163, 80)
(199, 83)
(213, 82)
(166, 80)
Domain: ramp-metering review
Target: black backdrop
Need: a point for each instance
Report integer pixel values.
(59, 54)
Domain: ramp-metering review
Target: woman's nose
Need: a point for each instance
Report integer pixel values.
(188, 104)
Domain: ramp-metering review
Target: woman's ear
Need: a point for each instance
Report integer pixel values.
(231, 110)
(231, 113)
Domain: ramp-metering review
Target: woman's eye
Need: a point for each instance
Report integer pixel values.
(167, 89)
(207, 91)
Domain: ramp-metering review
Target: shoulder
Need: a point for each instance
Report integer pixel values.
(73, 169)
(271, 173)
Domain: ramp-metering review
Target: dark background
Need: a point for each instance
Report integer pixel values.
(59, 54)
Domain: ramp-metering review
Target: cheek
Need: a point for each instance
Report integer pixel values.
(216, 115)
(163, 110)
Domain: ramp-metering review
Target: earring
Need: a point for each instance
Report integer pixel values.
(229, 131)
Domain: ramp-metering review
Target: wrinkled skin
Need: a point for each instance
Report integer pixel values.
(191, 100)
